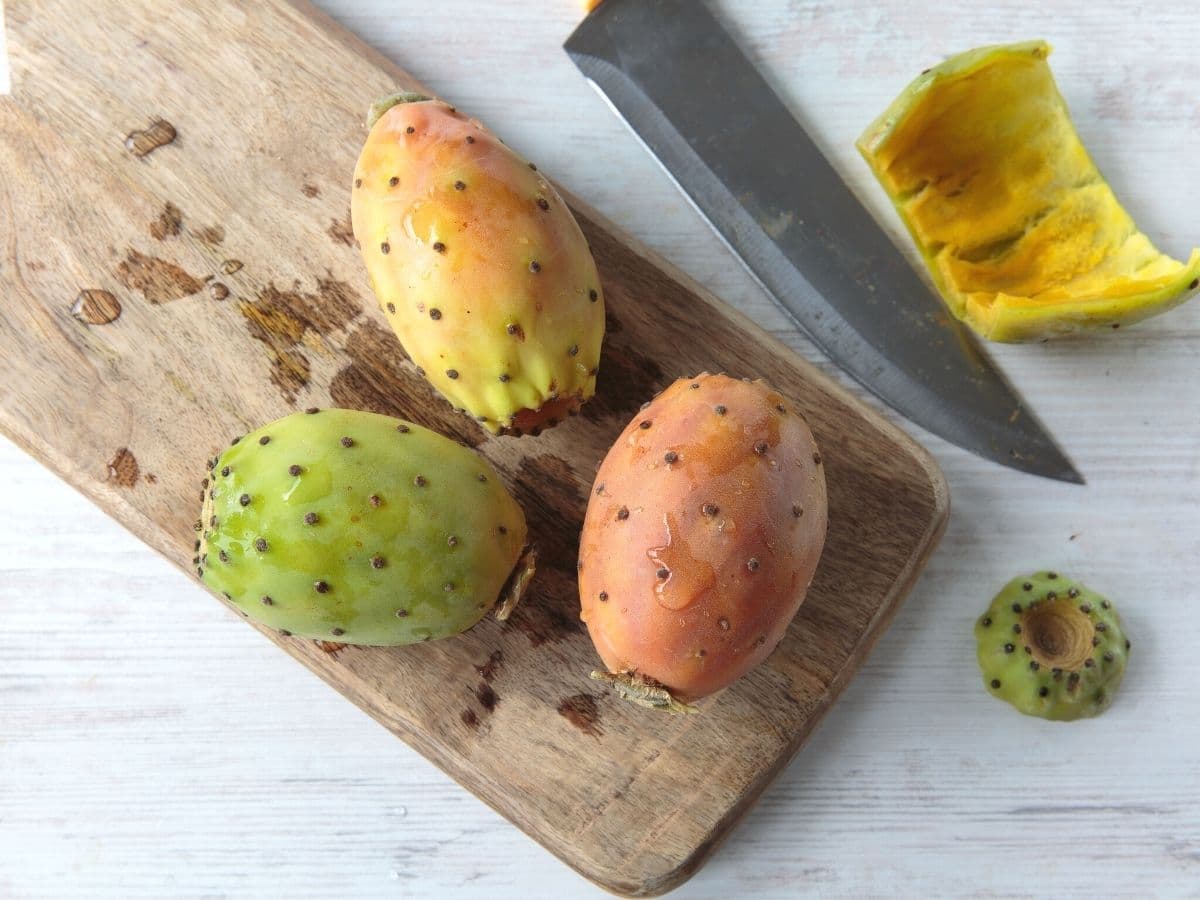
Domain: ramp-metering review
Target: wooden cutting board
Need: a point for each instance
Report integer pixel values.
(177, 268)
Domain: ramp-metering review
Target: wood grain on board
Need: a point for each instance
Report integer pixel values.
(177, 268)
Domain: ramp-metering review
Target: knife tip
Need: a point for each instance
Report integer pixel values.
(1051, 463)
(1071, 475)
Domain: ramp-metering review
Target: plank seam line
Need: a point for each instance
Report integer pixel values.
(5, 76)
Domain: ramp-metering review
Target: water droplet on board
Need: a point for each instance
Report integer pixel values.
(142, 142)
(123, 468)
(218, 291)
(96, 307)
(212, 234)
(159, 280)
(168, 224)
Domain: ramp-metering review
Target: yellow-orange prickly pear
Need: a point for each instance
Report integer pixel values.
(478, 265)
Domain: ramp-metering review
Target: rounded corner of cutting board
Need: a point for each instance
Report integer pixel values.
(939, 489)
(649, 883)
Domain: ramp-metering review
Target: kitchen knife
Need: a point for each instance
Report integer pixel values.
(678, 80)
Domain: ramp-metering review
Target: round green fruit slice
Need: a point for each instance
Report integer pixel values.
(1051, 647)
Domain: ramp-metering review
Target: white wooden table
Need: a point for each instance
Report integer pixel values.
(141, 759)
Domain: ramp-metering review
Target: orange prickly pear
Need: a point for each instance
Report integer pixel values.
(702, 534)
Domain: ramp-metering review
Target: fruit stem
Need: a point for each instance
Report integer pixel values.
(383, 104)
(644, 692)
(510, 594)
(1059, 634)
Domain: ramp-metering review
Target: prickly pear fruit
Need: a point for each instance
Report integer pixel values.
(478, 265)
(702, 534)
(361, 528)
(1051, 647)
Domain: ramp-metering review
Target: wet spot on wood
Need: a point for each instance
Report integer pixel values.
(488, 669)
(289, 372)
(341, 231)
(168, 224)
(486, 696)
(230, 266)
(333, 648)
(469, 718)
(212, 234)
(549, 611)
(310, 190)
(554, 502)
(378, 381)
(283, 319)
(145, 141)
(552, 496)
(218, 291)
(626, 379)
(96, 307)
(123, 468)
(582, 711)
(334, 305)
(158, 281)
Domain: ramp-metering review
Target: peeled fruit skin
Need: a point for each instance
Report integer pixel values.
(357, 527)
(478, 265)
(1051, 647)
(702, 534)
(1021, 234)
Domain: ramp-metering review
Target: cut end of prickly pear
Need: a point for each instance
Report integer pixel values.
(1051, 647)
(549, 414)
(644, 692)
(514, 589)
(383, 104)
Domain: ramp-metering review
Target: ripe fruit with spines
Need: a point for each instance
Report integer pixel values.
(479, 266)
(702, 535)
(337, 523)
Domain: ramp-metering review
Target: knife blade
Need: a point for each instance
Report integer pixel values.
(676, 77)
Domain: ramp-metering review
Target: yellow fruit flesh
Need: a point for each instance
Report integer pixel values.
(1020, 232)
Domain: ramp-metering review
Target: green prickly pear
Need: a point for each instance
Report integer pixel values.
(479, 266)
(336, 524)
